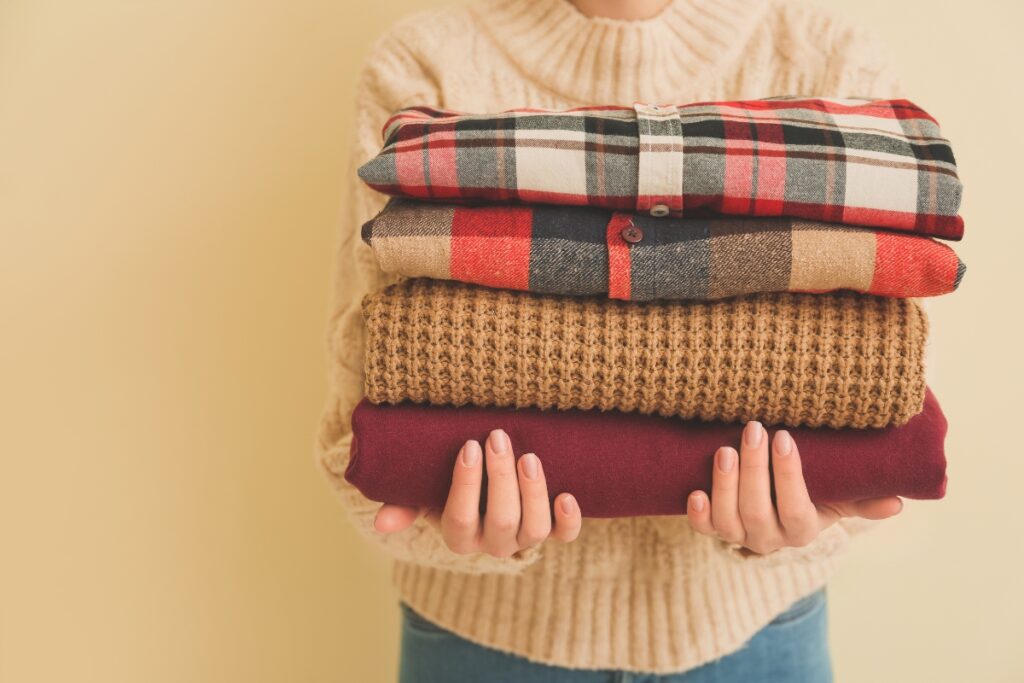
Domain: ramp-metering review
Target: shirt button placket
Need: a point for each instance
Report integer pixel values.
(660, 160)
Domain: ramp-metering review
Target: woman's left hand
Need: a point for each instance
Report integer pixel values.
(740, 509)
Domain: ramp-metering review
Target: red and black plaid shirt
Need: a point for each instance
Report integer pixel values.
(880, 163)
(583, 250)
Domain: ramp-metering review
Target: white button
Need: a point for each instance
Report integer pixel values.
(659, 210)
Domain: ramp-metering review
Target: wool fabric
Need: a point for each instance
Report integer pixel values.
(621, 465)
(582, 250)
(841, 360)
(860, 162)
(640, 593)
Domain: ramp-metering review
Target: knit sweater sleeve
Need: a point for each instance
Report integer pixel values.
(859, 66)
(392, 78)
(821, 53)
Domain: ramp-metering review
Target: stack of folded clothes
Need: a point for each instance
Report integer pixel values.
(619, 287)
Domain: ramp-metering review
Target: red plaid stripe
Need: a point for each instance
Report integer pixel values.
(491, 247)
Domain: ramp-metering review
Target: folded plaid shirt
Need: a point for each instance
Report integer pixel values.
(583, 250)
(879, 163)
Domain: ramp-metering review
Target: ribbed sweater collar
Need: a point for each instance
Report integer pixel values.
(600, 60)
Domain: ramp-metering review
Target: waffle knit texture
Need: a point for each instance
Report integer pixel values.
(641, 593)
(621, 464)
(581, 250)
(880, 163)
(840, 360)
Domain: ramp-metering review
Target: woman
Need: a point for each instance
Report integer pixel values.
(512, 595)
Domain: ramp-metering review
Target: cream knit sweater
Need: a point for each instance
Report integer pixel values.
(642, 594)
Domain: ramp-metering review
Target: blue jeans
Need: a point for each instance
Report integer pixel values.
(791, 649)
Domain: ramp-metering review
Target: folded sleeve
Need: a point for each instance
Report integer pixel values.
(392, 78)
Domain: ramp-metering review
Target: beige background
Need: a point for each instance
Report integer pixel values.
(169, 181)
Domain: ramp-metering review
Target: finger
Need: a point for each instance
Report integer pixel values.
(533, 491)
(797, 514)
(756, 510)
(460, 521)
(568, 518)
(698, 511)
(394, 518)
(502, 516)
(725, 511)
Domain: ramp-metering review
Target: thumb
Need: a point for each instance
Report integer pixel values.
(393, 518)
(869, 508)
(879, 508)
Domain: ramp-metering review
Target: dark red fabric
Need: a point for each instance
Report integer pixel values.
(621, 465)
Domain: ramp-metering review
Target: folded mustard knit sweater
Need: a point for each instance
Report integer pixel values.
(842, 360)
(643, 593)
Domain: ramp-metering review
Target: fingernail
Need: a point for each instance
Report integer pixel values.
(726, 459)
(471, 454)
(783, 443)
(568, 505)
(499, 441)
(531, 466)
(752, 434)
(697, 501)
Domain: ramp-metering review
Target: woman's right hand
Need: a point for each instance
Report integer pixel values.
(518, 514)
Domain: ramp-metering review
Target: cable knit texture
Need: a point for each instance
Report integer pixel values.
(841, 360)
(641, 593)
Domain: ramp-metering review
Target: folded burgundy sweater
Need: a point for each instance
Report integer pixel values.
(622, 465)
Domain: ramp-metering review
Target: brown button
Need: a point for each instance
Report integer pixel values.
(632, 234)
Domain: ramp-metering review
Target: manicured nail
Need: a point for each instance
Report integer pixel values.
(531, 466)
(471, 454)
(697, 501)
(726, 459)
(499, 441)
(783, 443)
(568, 504)
(752, 434)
